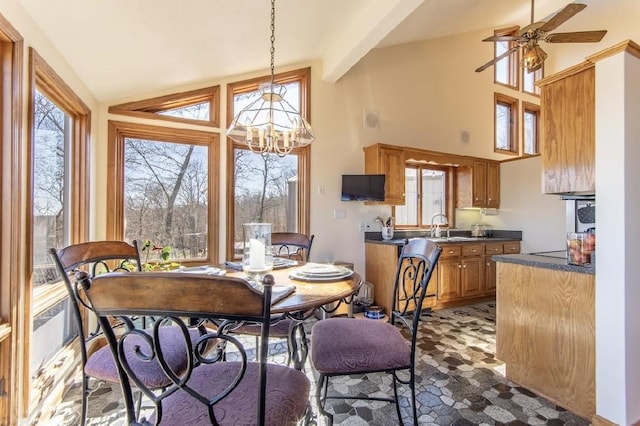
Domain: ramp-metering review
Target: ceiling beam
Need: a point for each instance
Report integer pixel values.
(377, 19)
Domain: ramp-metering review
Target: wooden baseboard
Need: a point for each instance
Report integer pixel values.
(601, 421)
(461, 302)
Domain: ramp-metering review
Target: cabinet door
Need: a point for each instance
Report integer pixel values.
(390, 162)
(472, 276)
(493, 185)
(393, 164)
(479, 184)
(567, 112)
(448, 279)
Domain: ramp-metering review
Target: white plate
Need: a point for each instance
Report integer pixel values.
(322, 269)
(209, 270)
(297, 274)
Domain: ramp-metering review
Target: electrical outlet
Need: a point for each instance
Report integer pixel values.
(361, 226)
(367, 226)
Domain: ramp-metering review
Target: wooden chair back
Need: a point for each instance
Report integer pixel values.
(176, 298)
(291, 245)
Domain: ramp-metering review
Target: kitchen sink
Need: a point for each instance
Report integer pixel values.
(462, 239)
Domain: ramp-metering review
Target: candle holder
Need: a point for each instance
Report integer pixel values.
(257, 259)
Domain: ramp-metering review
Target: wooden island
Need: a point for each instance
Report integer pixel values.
(545, 328)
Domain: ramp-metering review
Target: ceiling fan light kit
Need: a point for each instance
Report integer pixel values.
(528, 38)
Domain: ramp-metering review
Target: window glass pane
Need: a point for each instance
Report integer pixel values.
(503, 65)
(166, 196)
(266, 190)
(529, 79)
(51, 152)
(52, 329)
(52, 130)
(408, 214)
(530, 132)
(193, 112)
(433, 195)
(503, 126)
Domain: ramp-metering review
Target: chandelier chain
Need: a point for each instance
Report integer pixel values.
(273, 37)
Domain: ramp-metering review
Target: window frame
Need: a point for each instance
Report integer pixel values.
(117, 133)
(528, 107)
(149, 108)
(513, 59)
(450, 195)
(537, 76)
(512, 103)
(303, 77)
(43, 77)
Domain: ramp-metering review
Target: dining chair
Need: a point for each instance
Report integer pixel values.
(347, 346)
(95, 258)
(215, 388)
(291, 245)
(294, 246)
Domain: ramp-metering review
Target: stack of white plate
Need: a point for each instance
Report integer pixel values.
(320, 272)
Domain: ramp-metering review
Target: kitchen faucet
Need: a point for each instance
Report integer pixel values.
(435, 231)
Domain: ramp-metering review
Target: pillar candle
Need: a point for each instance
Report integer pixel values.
(256, 254)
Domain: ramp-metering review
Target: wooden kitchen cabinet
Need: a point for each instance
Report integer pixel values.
(381, 262)
(567, 130)
(460, 272)
(509, 247)
(389, 161)
(479, 185)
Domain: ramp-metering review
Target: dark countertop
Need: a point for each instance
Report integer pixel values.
(546, 262)
(401, 236)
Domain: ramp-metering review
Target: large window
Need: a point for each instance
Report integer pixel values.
(530, 129)
(426, 195)
(267, 188)
(59, 124)
(529, 80)
(506, 124)
(506, 69)
(163, 188)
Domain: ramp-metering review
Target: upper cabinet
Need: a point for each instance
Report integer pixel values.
(479, 185)
(567, 108)
(389, 161)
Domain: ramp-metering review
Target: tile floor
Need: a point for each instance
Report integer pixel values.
(459, 383)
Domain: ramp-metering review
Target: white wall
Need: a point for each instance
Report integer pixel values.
(617, 292)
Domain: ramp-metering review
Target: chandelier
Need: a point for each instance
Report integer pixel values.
(270, 125)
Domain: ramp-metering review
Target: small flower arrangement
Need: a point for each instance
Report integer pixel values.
(164, 253)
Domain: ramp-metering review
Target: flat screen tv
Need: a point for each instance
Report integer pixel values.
(362, 187)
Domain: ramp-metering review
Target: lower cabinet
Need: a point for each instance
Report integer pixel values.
(465, 272)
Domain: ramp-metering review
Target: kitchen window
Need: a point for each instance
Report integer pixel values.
(426, 194)
(529, 80)
(267, 188)
(505, 124)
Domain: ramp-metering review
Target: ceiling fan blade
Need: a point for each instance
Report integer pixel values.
(576, 37)
(502, 38)
(562, 16)
(496, 59)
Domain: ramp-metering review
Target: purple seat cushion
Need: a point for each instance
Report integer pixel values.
(349, 346)
(287, 396)
(100, 364)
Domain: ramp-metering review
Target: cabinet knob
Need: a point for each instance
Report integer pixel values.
(464, 266)
(459, 266)
(488, 264)
(473, 250)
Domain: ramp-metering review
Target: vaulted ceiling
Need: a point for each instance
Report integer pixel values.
(121, 48)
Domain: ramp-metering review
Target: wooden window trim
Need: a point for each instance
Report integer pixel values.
(500, 98)
(149, 108)
(12, 261)
(303, 76)
(530, 107)
(514, 60)
(43, 77)
(117, 133)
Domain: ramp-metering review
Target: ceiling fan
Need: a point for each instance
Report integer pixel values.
(528, 38)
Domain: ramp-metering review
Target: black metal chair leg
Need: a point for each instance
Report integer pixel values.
(413, 397)
(395, 397)
(321, 397)
(85, 400)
